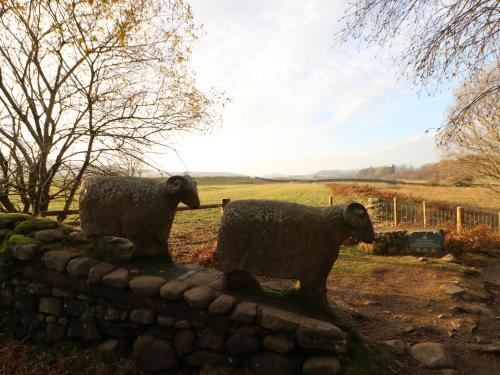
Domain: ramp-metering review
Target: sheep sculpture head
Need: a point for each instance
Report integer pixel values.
(141, 210)
(289, 241)
(357, 219)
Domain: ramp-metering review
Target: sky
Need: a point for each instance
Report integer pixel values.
(301, 101)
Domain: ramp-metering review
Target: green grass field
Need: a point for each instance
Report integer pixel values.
(311, 194)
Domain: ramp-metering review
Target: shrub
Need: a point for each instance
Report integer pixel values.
(480, 237)
(205, 256)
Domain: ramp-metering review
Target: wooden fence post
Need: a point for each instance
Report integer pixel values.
(395, 211)
(460, 215)
(424, 213)
(330, 200)
(224, 202)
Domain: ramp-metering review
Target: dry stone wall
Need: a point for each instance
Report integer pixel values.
(51, 290)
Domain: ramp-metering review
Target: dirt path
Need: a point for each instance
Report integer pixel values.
(410, 304)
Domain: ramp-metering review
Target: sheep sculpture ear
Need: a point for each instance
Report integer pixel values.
(176, 184)
(355, 215)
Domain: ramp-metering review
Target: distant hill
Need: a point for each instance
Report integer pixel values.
(152, 173)
(444, 171)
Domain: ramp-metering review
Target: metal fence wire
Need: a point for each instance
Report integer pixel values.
(418, 215)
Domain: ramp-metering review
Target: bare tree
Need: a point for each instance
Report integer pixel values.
(476, 148)
(83, 80)
(443, 39)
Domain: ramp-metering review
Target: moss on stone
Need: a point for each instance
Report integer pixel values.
(4, 234)
(34, 225)
(18, 239)
(112, 253)
(9, 221)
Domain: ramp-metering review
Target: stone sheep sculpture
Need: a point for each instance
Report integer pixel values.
(289, 241)
(141, 210)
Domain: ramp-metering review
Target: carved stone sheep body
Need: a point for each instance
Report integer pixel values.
(139, 209)
(287, 240)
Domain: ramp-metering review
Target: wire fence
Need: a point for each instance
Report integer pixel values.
(403, 214)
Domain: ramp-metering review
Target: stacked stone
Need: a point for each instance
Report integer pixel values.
(388, 243)
(164, 322)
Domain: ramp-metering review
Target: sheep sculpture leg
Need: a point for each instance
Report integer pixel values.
(313, 293)
(240, 280)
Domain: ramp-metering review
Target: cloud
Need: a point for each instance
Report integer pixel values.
(297, 95)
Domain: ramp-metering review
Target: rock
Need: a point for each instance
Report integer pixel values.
(202, 358)
(24, 303)
(269, 363)
(316, 334)
(75, 308)
(423, 259)
(58, 259)
(452, 290)
(491, 349)
(182, 324)
(135, 272)
(173, 290)
(211, 338)
(118, 248)
(472, 309)
(49, 235)
(7, 297)
(449, 258)
(491, 274)
(397, 345)
(321, 366)
(50, 306)
(245, 312)
(409, 329)
(432, 355)
(199, 297)
(482, 340)
(117, 279)
(90, 331)
(113, 348)
(75, 330)
(183, 342)
(97, 272)
(203, 277)
(165, 321)
(61, 293)
(152, 354)
(279, 343)
(238, 344)
(23, 252)
(80, 267)
(222, 304)
(115, 315)
(187, 275)
(77, 237)
(142, 316)
(279, 320)
(39, 289)
(56, 333)
(147, 286)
